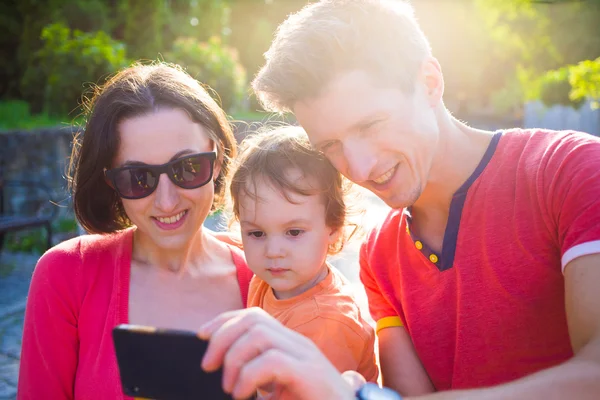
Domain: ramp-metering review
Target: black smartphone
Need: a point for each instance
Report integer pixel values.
(164, 364)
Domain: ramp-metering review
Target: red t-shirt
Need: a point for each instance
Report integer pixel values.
(79, 292)
(490, 308)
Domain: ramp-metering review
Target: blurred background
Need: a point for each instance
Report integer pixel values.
(497, 55)
(507, 63)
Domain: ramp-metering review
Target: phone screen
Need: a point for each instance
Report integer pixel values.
(164, 364)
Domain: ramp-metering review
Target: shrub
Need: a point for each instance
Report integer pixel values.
(66, 62)
(585, 81)
(213, 64)
(16, 114)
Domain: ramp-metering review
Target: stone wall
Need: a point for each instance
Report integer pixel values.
(40, 155)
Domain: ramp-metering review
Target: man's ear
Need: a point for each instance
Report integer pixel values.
(433, 80)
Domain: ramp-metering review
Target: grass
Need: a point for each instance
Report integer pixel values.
(16, 115)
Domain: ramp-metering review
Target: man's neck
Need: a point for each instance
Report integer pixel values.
(460, 151)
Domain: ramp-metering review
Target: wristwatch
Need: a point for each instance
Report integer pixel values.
(371, 391)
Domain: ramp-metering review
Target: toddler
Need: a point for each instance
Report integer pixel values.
(289, 201)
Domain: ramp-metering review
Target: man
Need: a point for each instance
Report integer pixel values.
(486, 272)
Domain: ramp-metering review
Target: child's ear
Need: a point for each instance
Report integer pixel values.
(334, 236)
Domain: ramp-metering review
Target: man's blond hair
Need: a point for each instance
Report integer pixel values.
(381, 37)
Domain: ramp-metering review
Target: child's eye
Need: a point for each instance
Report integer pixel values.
(295, 232)
(256, 234)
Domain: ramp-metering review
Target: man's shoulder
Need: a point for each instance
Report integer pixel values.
(384, 233)
(544, 143)
(386, 228)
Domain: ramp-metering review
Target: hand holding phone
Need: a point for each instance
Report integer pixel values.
(164, 364)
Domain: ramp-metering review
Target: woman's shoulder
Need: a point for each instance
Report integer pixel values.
(83, 245)
(72, 254)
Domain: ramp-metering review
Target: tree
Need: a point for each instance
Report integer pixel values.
(538, 36)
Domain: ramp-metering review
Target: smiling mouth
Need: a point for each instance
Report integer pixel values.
(173, 219)
(386, 176)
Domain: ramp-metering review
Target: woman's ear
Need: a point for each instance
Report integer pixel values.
(106, 180)
(218, 164)
(216, 170)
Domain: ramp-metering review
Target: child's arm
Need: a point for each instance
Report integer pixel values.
(346, 344)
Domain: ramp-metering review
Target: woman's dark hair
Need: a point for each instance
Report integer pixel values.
(137, 90)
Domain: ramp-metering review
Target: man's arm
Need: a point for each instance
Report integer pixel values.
(578, 378)
(401, 368)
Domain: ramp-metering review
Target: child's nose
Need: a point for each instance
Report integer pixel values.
(274, 248)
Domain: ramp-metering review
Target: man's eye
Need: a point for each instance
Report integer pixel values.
(256, 234)
(295, 232)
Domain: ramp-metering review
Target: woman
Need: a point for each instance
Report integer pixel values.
(148, 171)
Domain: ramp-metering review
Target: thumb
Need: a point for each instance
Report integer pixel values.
(354, 379)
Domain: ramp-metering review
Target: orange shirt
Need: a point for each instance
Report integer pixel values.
(328, 315)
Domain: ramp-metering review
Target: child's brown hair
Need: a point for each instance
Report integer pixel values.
(270, 154)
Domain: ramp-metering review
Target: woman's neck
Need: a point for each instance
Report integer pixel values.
(174, 259)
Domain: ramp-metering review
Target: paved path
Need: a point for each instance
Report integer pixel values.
(13, 292)
(14, 287)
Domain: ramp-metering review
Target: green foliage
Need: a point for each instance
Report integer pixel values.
(84, 15)
(199, 19)
(213, 64)
(585, 81)
(144, 20)
(554, 88)
(26, 241)
(15, 114)
(67, 61)
(11, 28)
(539, 40)
(64, 225)
(570, 85)
(34, 240)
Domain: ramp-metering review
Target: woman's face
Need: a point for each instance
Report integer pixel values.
(171, 215)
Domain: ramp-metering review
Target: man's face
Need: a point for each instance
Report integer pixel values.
(380, 138)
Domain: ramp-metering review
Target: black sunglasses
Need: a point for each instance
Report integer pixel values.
(139, 181)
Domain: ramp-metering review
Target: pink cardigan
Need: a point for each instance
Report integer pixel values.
(79, 292)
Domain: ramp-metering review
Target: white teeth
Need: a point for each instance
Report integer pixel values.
(385, 177)
(171, 220)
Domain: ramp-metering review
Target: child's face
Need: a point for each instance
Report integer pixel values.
(285, 243)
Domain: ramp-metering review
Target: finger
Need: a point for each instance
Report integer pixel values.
(355, 379)
(207, 329)
(272, 366)
(239, 353)
(258, 339)
(230, 331)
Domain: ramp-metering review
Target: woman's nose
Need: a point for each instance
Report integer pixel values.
(166, 196)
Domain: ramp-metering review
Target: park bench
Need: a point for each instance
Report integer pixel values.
(25, 204)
